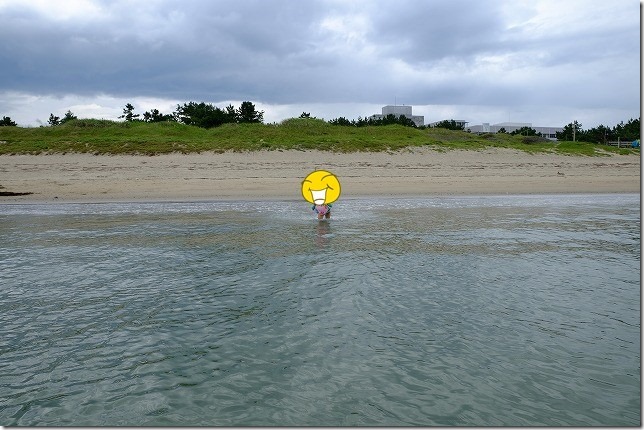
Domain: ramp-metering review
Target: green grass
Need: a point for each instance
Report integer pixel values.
(110, 137)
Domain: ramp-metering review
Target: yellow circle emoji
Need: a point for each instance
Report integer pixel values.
(321, 187)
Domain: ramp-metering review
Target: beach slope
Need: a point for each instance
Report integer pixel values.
(277, 175)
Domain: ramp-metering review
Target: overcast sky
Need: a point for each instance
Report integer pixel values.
(546, 62)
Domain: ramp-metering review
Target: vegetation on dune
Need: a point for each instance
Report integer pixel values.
(198, 127)
(137, 137)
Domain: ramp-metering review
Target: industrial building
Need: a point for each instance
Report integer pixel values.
(397, 111)
(486, 127)
(509, 127)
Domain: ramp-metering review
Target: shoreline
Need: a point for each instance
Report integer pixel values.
(290, 200)
(276, 175)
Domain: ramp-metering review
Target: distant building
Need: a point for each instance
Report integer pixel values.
(397, 111)
(509, 127)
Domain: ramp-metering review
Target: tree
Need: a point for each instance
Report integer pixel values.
(155, 116)
(525, 131)
(7, 122)
(306, 115)
(248, 114)
(570, 132)
(364, 122)
(392, 119)
(341, 121)
(407, 122)
(629, 131)
(128, 113)
(201, 115)
(231, 112)
(53, 120)
(449, 124)
(502, 130)
(69, 116)
(599, 134)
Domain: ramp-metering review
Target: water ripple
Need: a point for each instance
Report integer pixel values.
(508, 311)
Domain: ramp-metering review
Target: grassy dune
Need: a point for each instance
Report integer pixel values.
(110, 137)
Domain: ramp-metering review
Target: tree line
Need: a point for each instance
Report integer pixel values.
(601, 134)
(201, 114)
(206, 115)
(363, 122)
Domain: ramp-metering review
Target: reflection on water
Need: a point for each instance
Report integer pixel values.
(322, 233)
(503, 311)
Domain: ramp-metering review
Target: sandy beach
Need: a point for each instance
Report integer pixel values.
(278, 174)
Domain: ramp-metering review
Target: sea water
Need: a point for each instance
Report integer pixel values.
(466, 311)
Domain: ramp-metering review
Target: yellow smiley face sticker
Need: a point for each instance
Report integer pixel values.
(321, 187)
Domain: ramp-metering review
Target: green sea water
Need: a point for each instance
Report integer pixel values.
(453, 311)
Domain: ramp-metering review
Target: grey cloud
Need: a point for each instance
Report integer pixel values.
(276, 52)
(203, 45)
(431, 30)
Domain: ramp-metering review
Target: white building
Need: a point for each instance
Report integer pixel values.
(397, 111)
(509, 127)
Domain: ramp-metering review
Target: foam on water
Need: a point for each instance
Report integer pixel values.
(351, 208)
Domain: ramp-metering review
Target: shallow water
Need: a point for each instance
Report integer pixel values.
(473, 311)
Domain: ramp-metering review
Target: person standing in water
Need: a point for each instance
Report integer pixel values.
(321, 188)
(323, 211)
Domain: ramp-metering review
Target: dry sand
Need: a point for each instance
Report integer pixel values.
(278, 174)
